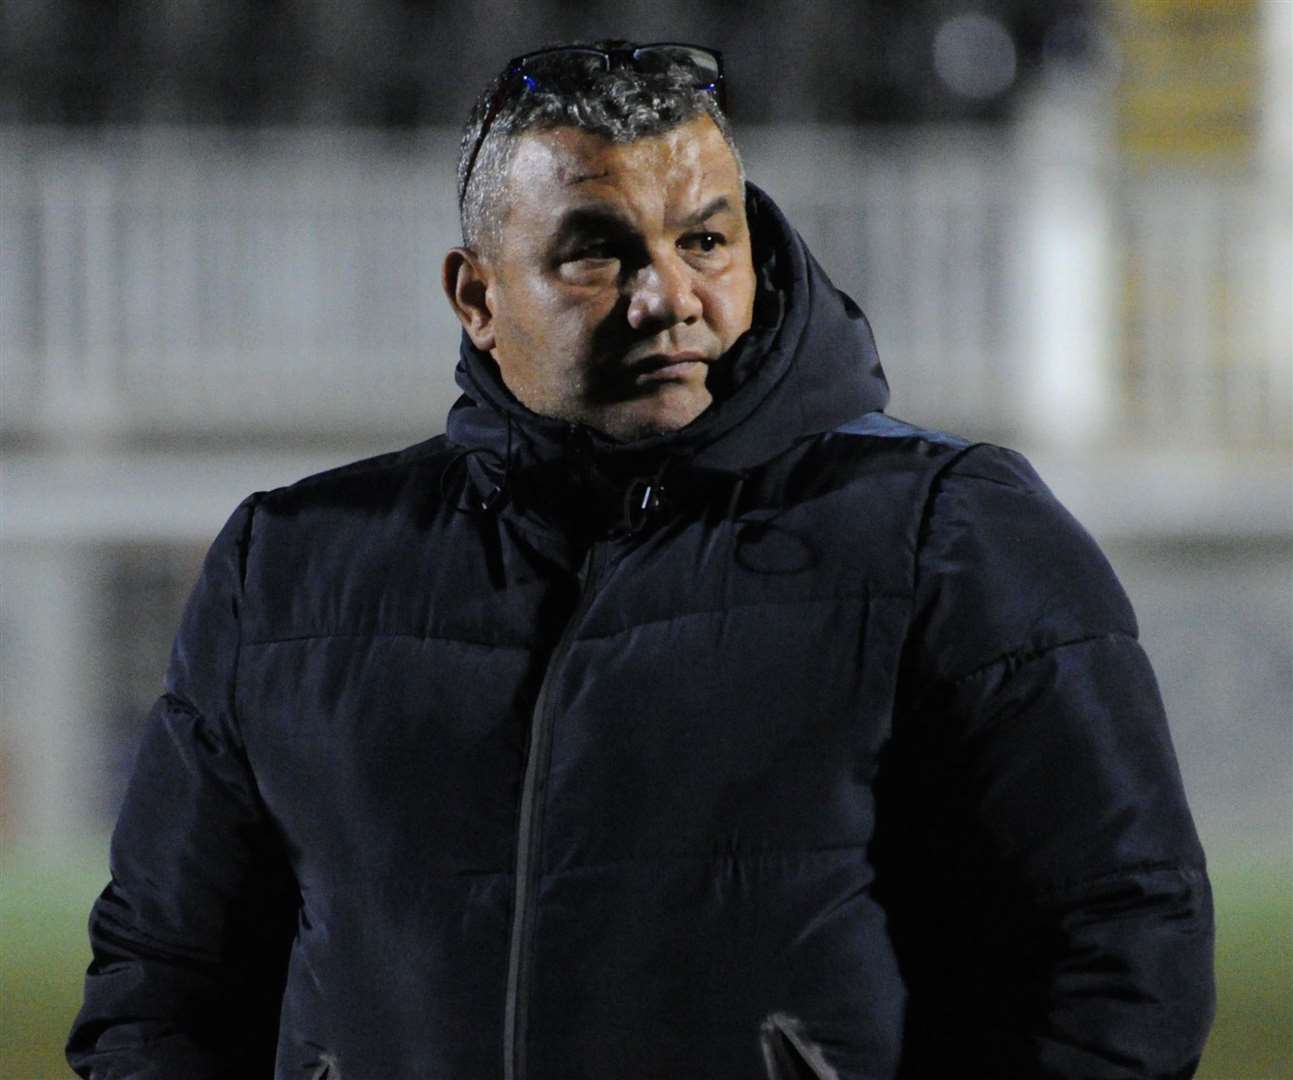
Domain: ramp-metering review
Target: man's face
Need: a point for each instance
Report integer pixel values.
(622, 272)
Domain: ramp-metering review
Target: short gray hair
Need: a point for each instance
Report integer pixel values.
(622, 105)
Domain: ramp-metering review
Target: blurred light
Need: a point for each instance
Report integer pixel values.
(1079, 41)
(974, 55)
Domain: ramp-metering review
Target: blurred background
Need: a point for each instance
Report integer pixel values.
(220, 234)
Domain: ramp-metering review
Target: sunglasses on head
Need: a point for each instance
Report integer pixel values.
(548, 68)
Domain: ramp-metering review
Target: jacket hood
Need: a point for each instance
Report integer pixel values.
(807, 365)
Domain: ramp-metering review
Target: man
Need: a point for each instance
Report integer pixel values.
(676, 714)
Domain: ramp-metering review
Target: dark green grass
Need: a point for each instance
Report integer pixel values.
(1253, 1036)
(45, 897)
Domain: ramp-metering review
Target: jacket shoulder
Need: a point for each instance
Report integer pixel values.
(340, 506)
(1004, 570)
(336, 487)
(336, 535)
(878, 425)
(1000, 569)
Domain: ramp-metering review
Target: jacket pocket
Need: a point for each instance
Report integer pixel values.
(788, 1053)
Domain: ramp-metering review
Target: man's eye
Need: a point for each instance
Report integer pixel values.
(704, 241)
(593, 252)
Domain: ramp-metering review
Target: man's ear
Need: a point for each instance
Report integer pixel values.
(466, 282)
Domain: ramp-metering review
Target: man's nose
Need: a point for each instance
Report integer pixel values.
(661, 294)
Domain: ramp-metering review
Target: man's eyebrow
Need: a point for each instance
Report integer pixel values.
(591, 219)
(714, 206)
(583, 219)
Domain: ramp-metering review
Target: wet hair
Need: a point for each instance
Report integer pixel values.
(622, 106)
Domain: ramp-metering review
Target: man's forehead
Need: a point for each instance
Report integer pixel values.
(570, 159)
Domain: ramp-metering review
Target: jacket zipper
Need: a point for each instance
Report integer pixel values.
(529, 829)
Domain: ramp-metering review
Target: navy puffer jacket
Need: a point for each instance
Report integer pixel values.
(798, 743)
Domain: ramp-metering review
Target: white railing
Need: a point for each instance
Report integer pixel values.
(1207, 272)
(172, 283)
(169, 283)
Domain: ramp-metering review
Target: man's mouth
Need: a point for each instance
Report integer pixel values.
(666, 367)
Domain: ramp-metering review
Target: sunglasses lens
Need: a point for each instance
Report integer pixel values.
(660, 58)
(561, 63)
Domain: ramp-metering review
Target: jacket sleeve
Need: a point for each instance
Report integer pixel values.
(1048, 893)
(190, 937)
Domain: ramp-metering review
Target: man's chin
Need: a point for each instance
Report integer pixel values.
(661, 414)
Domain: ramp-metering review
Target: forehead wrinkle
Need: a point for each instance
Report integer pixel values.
(580, 178)
(718, 204)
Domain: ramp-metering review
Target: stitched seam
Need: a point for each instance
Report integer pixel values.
(902, 429)
(1028, 656)
(708, 856)
(379, 635)
(183, 704)
(923, 526)
(1187, 871)
(375, 634)
(848, 594)
(244, 559)
(1012, 485)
